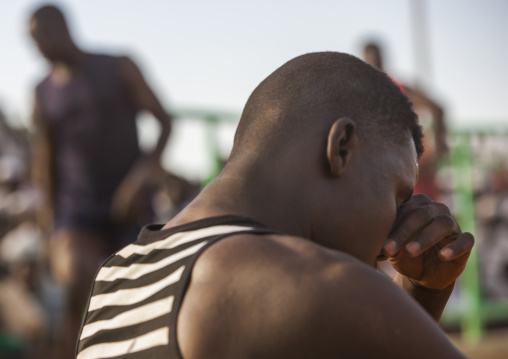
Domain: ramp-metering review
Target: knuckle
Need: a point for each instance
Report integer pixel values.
(445, 218)
(424, 212)
(443, 208)
(403, 210)
(462, 243)
(470, 238)
(427, 239)
(400, 234)
(422, 198)
(448, 221)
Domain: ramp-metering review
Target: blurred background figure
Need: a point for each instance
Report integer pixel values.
(431, 117)
(491, 209)
(95, 181)
(24, 324)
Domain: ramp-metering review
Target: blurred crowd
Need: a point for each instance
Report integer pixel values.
(31, 300)
(490, 182)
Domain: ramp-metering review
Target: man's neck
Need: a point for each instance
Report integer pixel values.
(72, 61)
(63, 70)
(252, 196)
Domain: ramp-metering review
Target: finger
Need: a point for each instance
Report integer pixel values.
(459, 247)
(419, 199)
(440, 228)
(412, 224)
(416, 200)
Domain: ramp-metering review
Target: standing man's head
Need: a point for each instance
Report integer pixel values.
(372, 55)
(50, 32)
(342, 135)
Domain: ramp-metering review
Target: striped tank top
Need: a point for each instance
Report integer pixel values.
(137, 293)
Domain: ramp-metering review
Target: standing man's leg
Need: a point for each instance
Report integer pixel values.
(75, 255)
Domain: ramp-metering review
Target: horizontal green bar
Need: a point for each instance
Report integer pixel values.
(205, 115)
(494, 131)
(491, 311)
(10, 342)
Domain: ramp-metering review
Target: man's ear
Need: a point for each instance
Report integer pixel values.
(342, 141)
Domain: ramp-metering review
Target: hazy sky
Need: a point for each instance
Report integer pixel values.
(212, 54)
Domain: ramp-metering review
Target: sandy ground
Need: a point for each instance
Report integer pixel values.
(494, 345)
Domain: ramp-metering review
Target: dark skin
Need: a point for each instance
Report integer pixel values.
(315, 293)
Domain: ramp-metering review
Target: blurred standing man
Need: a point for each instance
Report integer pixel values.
(87, 158)
(431, 117)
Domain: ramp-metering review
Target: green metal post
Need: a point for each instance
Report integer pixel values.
(472, 324)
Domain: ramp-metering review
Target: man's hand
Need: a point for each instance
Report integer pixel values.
(132, 196)
(426, 244)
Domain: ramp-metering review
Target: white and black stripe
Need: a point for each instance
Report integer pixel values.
(137, 293)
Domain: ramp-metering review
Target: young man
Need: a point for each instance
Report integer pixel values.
(87, 158)
(276, 257)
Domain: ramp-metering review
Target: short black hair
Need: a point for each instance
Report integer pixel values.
(326, 86)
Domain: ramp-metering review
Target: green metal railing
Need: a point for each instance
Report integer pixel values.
(470, 295)
(211, 120)
(474, 311)
(11, 344)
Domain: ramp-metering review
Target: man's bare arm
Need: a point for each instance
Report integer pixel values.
(146, 99)
(130, 196)
(429, 252)
(419, 99)
(433, 301)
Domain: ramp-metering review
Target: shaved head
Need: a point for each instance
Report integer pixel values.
(372, 55)
(50, 19)
(311, 91)
(50, 32)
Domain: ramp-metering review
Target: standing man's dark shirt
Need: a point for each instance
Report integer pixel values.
(92, 121)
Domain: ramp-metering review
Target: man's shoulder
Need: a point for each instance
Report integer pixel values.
(291, 264)
(283, 296)
(256, 287)
(104, 59)
(276, 249)
(271, 255)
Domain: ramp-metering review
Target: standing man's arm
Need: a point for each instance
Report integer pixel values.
(128, 199)
(419, 99)
(42, 171)
(146, 100)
